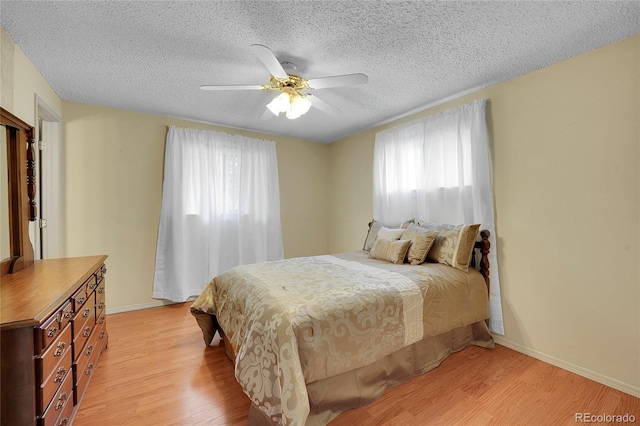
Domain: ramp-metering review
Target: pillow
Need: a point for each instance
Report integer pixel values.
(453, 245)
(391, 251)
(372, 234)
(390, 233)
(421, 241)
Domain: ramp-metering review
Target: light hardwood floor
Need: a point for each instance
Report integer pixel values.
(157, 371)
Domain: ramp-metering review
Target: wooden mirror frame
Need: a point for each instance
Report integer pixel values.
(21, 191)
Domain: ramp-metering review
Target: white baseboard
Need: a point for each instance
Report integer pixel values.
(597, 377)
(129, 308)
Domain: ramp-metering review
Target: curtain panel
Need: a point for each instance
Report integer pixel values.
(220, 208)
(438, 169)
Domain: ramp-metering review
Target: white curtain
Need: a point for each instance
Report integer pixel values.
(220, 208)
(438, 169)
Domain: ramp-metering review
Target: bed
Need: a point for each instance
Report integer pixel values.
(312, 337)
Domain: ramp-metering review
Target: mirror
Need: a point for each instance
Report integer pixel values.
(20, 191)
(5, 245)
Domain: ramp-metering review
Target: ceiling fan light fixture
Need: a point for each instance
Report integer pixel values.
(279, 104)
(299, 106)
(293, 105)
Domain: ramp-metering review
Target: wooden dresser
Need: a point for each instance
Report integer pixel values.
(52, 331)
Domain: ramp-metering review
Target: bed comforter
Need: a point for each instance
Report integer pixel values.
(298, 321)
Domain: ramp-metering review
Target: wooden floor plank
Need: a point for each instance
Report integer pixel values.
(158, 372)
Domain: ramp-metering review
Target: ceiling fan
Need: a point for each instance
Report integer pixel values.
(294, 99)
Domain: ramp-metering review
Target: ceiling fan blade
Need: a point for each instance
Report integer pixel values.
(267, 114)
(270, 61)
(323, 106)
(337, 81)
(233, 87)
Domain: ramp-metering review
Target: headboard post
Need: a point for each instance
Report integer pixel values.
(485, 247)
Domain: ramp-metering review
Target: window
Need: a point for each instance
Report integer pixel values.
(220, 209)
(424, 158)
(215, 184)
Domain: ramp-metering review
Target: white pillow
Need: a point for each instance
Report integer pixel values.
(390, 233)
(375, 226)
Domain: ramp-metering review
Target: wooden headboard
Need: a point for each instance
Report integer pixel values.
(483, 265)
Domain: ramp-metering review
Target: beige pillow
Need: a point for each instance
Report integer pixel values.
(372, 234)
(453, 245)
(421, 241)
(391, 251)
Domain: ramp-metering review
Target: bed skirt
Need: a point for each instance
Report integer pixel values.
(364, 385)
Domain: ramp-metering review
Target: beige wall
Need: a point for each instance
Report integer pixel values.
(20, 82)
(114, 186)
(566, 157)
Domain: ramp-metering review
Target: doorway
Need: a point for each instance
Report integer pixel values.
(45, 231)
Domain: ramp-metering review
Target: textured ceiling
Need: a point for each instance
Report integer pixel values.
(153, 56)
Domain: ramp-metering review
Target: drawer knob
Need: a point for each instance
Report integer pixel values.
(60, 374)
(64, 422)
(102, 333)
(80, 300)
(86, 332)
(60, 349)
(52, 331)
(89, 350)
(61, 400)
(68, 314)
(89, 370)
(86, 312)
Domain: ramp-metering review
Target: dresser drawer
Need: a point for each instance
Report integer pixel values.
(48, 332)
(50, 384)
(83, 375)
(65, 417)
(100, 304)
(47, 363)
(101, 331)
(91, 284)
(100, 290)
(79, 298)
(85, 356)
(82, 315)
(50, 329)
(62, 400)
(83, 327)
(66, 314)
(102, 319)
(100, 272)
